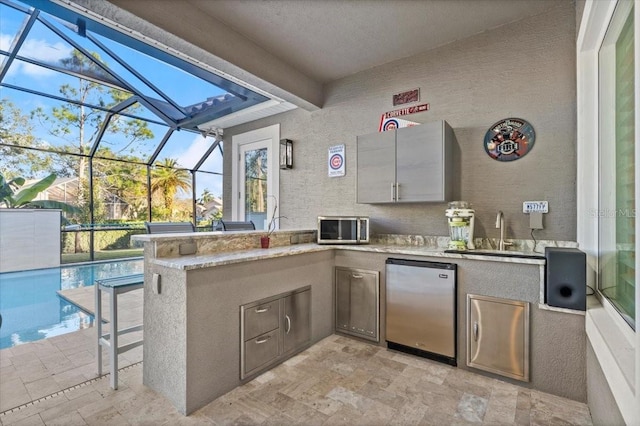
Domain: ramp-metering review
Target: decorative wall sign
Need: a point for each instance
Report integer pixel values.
(406, 111)
(336, 161)
(394, 123)
(509, 139)
(406, 97)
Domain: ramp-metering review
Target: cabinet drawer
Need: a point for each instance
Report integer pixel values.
(260, 351)
(261, 318)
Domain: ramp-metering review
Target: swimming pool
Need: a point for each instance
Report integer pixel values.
(31, 310)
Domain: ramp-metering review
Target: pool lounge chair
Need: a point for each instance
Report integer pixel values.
(234, 226)
(168, 227)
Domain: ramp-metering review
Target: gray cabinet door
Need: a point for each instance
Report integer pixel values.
(357, 302)
(498, 336)
(376, 169)
(297, 320)
(420, 163)
(343, 299)
(364, 304)
(411, 164)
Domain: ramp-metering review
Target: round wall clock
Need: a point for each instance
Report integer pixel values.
(509, 139)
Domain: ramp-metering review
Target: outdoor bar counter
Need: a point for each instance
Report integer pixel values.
(195, 284)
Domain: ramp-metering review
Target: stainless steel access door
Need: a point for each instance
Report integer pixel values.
(498, 336)
(297, 320)
(421, 305)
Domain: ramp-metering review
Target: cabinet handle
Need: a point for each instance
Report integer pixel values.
(261, 310)
(476, 328)
(356, 276)
(288, 324)
(393, 191)
(397, 191)
(263, 340)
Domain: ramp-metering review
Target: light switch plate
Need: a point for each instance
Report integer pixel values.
(535, 206)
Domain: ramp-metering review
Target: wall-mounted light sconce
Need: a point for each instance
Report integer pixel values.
(286, 154)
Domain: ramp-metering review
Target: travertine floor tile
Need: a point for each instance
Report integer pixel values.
(338, 381)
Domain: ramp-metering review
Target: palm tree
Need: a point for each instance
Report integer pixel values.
(167, 179)
(206, 197)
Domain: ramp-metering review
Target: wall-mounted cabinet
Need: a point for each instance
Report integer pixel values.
(498, 336)
(358, 302)
(273, 329)
(411, 164)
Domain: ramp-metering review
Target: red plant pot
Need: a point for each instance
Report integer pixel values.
(264, 242)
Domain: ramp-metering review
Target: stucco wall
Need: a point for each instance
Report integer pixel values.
(524, 69)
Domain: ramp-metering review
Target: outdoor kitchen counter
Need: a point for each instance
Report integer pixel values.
(196, 261)
(196, 282)
(189, 251)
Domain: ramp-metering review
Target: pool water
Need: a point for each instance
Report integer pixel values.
(31, 309)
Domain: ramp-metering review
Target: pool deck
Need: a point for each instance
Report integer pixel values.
(34, 370)
(129, 304)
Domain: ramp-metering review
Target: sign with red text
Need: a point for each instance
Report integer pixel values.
(336, 161)
(406, 111)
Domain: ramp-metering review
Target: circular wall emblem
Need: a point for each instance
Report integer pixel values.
(509, 139)
(336, 161)
(390, 124)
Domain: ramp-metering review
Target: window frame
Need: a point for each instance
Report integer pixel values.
(616, 345)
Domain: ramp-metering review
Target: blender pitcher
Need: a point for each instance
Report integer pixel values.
(460, 218)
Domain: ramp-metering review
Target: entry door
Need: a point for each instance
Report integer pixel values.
(255, 183)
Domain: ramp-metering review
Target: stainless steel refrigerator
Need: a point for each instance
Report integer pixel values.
(421, 308)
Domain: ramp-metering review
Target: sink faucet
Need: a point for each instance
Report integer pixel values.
(500, 225)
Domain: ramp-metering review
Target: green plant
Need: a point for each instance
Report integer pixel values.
(14, 198)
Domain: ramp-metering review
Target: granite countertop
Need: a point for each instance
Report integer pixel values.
(190, 262)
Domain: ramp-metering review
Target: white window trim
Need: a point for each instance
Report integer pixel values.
(616, 346)
(273, 175)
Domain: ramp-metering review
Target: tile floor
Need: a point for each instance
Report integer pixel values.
(33, 370)
(339, 381)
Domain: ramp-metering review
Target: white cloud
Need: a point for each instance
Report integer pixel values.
(194, 153)
(5, 42)
(190, 158)
(40, 49)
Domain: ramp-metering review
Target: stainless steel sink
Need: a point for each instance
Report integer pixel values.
(498, 253)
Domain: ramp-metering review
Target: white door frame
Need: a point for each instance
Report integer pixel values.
(271, 133)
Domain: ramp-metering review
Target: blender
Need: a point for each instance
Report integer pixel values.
(460, 218)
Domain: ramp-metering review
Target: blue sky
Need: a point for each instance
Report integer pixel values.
(44, 45)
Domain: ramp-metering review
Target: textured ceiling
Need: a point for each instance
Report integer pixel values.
(330, 39)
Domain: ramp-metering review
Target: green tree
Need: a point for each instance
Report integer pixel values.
(256, 181)
(206, 197)
(16, 134)
(14, 195)
(78, 126)
(166, 180)
(128, 182)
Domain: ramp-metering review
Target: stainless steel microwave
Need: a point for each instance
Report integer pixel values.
(343, 230)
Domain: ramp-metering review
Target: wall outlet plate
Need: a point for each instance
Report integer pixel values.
(535, 206)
